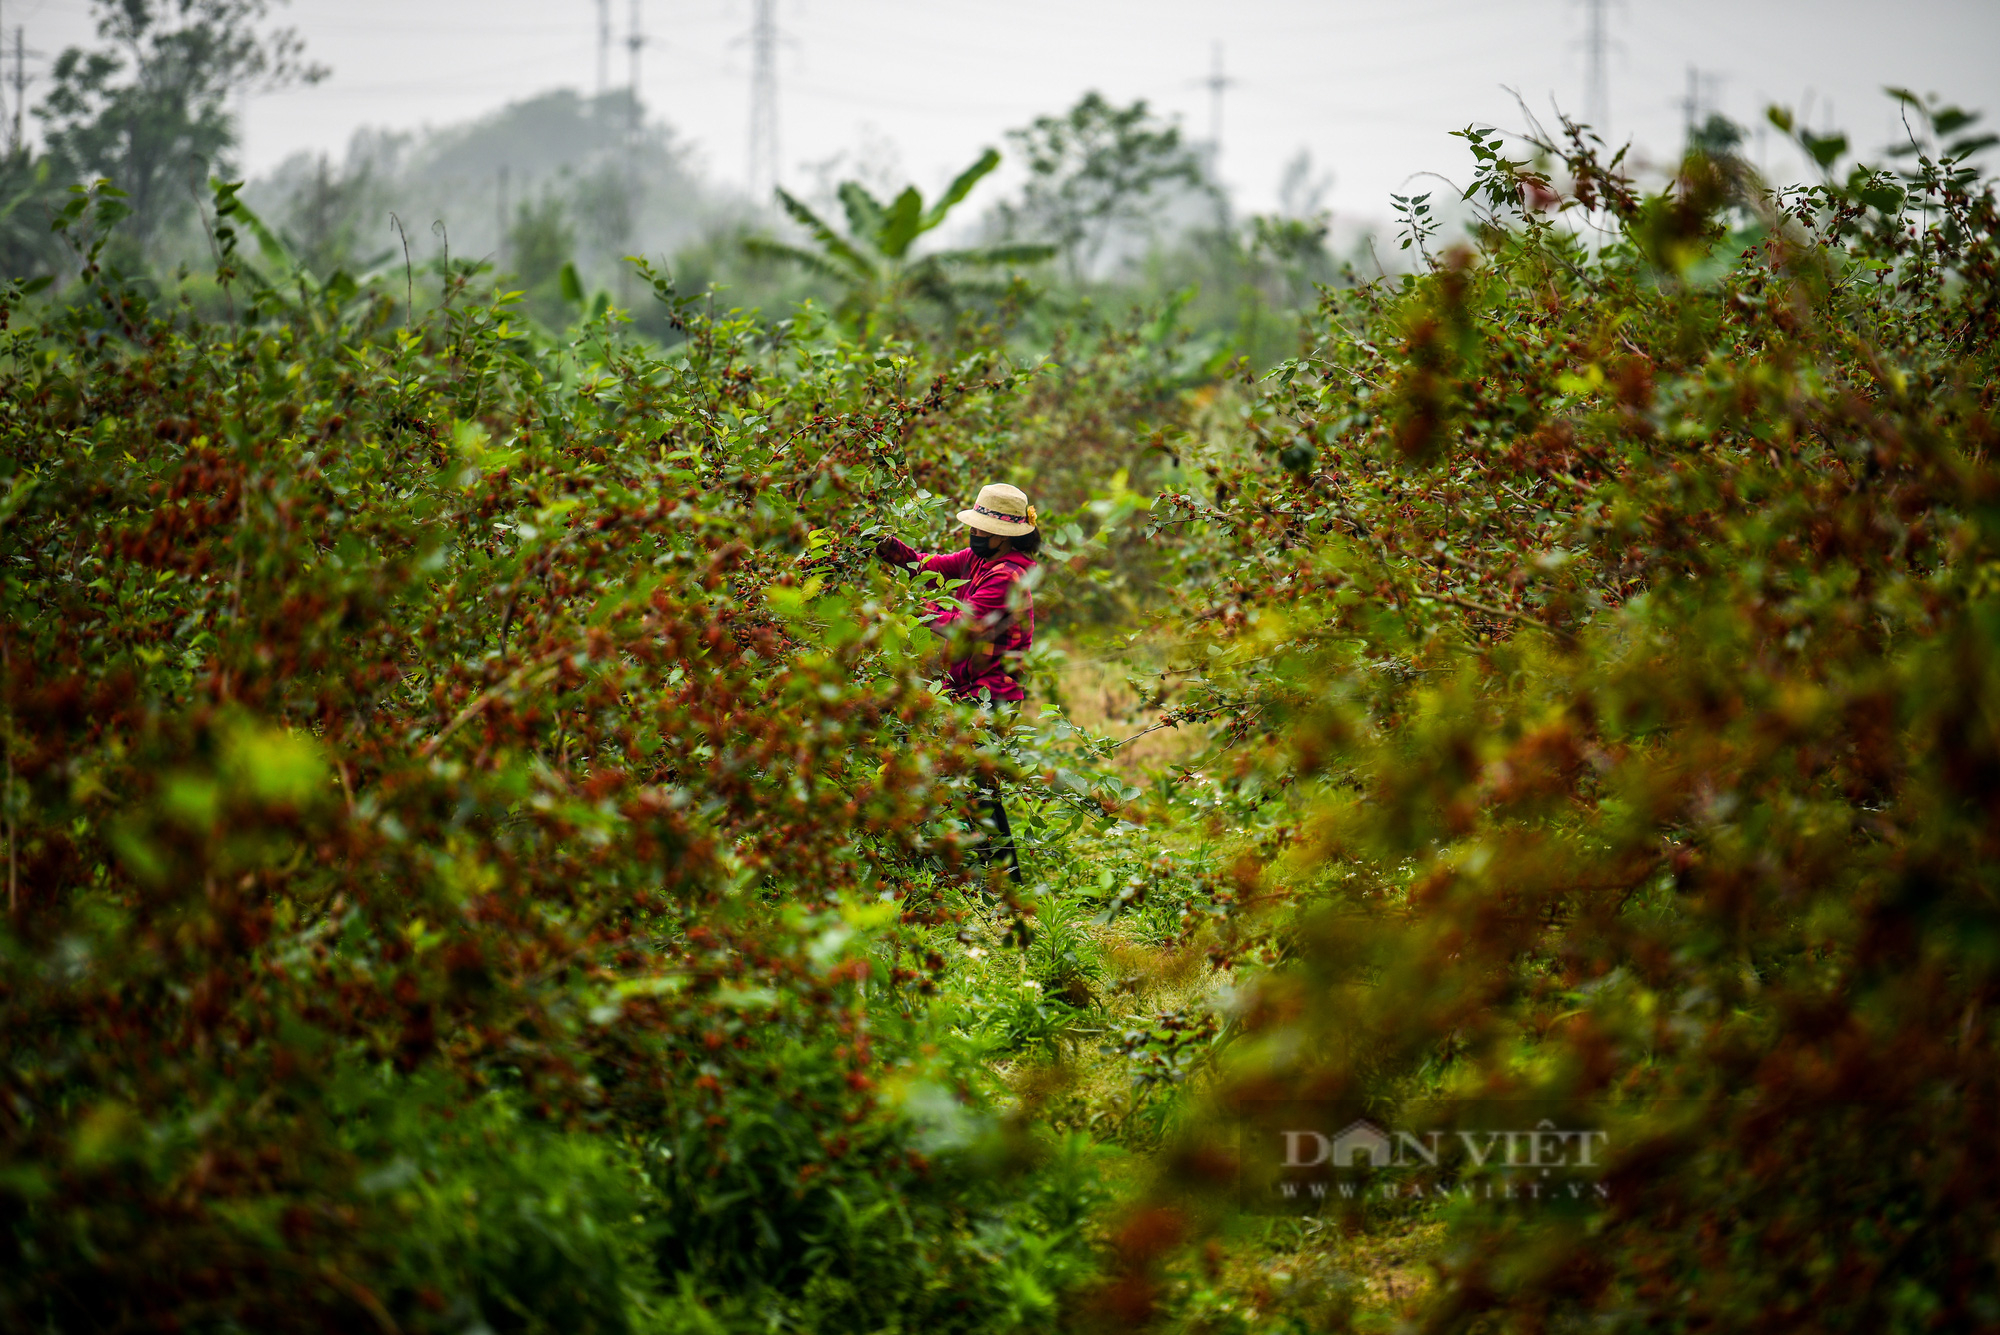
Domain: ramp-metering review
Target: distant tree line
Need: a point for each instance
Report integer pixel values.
(554, 191)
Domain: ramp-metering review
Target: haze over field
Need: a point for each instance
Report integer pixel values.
(1369, 89)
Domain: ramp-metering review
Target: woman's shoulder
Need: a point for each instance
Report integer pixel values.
(1013, 569)
(1010, 567)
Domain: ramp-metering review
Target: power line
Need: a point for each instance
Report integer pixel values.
(763, 167)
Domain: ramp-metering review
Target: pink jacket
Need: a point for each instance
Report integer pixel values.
(985, 600)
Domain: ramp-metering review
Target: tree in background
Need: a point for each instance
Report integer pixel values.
(29, 195)
(1098, 169)
(874, 263)
(1290, 246)
(328, 212)
(541, 249)
(608, 201)
(1294, 253)
(148, 109)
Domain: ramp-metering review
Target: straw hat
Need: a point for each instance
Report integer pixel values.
(1000, 509)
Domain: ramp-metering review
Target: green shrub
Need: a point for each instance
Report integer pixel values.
(460, 783)
(1617, 622)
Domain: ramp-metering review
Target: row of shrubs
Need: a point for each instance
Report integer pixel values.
(477, 820)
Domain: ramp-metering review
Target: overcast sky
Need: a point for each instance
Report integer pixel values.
(1371, 89)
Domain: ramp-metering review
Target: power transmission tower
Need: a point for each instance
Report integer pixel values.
(1700, 101)
(635, 41)
(763, 173)
(1596, 91)
(603, 48)
(635, 38)
(1597, 44)
(1217, 84)
(500, 246)
(20, 79)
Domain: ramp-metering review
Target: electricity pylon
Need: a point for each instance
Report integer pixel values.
(763, 172)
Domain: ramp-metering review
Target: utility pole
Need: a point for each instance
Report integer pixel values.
(603, 48)
(763, 173)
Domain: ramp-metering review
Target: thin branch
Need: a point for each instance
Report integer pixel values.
(1485, 610)
(1164, 723)
(439, 230)
(1381, 548)
(486, 697)
(409, 277)
(7, 686)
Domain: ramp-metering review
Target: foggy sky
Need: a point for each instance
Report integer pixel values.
(1371, 89)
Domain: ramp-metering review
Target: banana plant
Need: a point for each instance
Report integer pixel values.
(874, 263)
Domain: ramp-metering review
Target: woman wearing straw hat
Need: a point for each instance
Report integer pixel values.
(993, 609)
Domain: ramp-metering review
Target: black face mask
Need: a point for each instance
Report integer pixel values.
(982, 543)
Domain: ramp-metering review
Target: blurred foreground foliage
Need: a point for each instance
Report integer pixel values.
(1612, 614)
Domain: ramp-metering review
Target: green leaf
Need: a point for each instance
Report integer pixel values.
(572, 286)
(268, 243)
(805, 259)
(110, 1132)
(837, 248)
(1881, 195)
(18, 492)
(864, 211)
(275, 765)
(1823, 150)
(960, 187)
(1950, 120)
(994, 255)
(901, 225)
